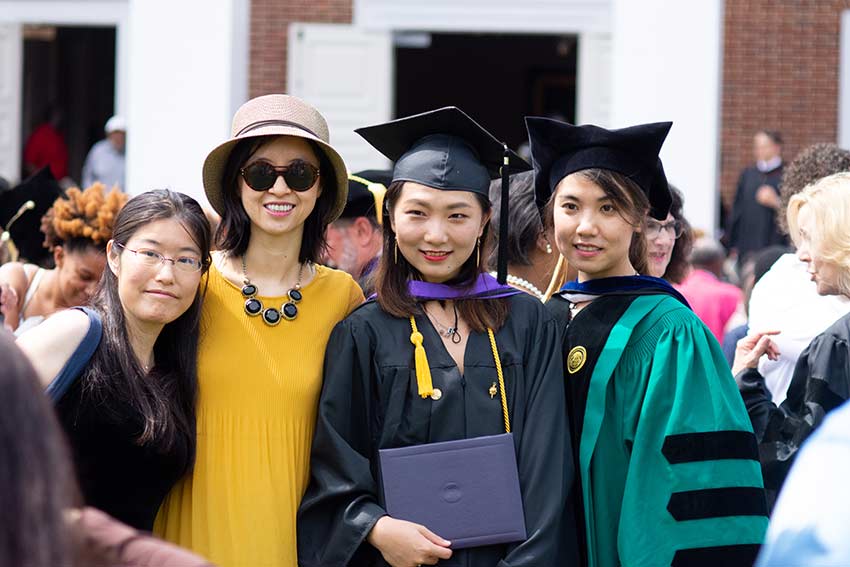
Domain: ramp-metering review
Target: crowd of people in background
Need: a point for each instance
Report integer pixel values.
(189, 387)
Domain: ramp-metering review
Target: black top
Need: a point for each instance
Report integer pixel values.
(116, 475)
(820, 383)
(43, 190)
(370, 401)
(362, 200)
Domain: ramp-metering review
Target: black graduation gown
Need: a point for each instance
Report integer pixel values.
(753, 226)
(370, 401)
(820, 383)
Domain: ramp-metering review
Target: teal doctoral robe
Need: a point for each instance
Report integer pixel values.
(667, 463)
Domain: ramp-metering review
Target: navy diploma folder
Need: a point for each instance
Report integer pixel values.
(465, 491)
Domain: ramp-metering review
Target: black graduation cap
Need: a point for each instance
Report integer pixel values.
(446, 149)
(559, 149)
(29, 201)
(366, 193)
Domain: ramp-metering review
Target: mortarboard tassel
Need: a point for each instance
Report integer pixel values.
(378, 191)
(502, 264)
(423, 371)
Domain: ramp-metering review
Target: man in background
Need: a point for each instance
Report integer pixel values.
(355, 239)
(105, 162)
(752, 226)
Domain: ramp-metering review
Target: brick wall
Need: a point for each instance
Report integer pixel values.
(780, 71)
(270, 21)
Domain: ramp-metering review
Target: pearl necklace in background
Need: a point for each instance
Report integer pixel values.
(524, 284)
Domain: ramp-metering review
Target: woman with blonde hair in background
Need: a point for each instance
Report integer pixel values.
(819, 224)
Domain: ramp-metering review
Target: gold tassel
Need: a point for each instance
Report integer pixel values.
(423, 371)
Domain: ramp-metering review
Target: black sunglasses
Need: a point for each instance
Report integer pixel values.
(299, 175)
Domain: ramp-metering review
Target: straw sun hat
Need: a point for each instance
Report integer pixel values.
(277, 115)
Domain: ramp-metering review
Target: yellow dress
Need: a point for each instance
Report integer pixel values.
(258, 394)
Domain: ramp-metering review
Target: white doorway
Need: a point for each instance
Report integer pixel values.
(73, 16)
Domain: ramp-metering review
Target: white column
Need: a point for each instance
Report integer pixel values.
(10, 100)
(667, 63)
(594, 74)
(187, 71)
(844, 83)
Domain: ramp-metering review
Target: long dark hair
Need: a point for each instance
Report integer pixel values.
(37, 482)
(392, 276)
(234, 231)
(677, 269)
(631, 204)
(166, 399)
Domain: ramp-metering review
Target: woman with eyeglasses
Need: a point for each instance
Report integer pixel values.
(669, 242)
(268, 312)
(129, 413)
(667, 462)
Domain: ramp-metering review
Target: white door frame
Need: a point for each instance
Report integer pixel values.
(590, 21)
(106, 13)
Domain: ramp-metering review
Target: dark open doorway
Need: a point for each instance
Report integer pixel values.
(72, 68)
(496, 78)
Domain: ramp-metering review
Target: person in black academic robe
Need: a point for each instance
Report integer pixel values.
(752, 224)
(372, 397)
(369, 402)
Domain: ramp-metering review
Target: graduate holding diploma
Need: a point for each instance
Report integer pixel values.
(668, 464)
(443, 353)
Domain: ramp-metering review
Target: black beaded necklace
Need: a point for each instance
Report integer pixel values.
(271, 315)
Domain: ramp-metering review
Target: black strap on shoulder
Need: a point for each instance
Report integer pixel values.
(79, 359)
(710, 446)
(717, 503)
(726, 555)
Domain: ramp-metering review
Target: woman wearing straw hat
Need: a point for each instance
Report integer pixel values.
(269, 309)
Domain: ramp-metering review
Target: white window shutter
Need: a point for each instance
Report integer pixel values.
(347, 73)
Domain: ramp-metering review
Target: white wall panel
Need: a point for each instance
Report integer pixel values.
(10, 100)
(667, 65)
(187, 77)
(360, 92)
(594, 77)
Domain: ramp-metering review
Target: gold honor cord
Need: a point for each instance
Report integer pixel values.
(423, 371)
(501, 380)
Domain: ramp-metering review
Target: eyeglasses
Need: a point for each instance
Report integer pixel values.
(299, 175)
(151, 258)
(674, 229)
